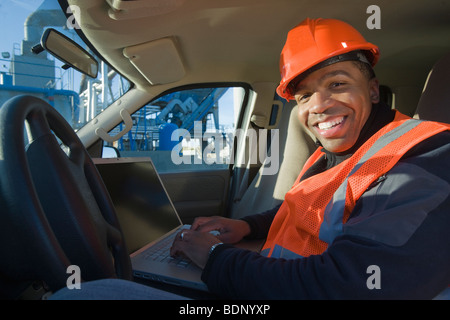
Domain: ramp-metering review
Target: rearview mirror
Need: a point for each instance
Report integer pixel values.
(69, 52)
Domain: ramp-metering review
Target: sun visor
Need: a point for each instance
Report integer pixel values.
(135, 9)
(158, 61)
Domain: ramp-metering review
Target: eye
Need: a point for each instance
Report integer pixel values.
(303, 97)
(337, 84)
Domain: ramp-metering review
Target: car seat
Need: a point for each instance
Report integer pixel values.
(434, 103)
(267, 191)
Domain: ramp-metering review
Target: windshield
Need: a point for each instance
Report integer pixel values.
(77, 97)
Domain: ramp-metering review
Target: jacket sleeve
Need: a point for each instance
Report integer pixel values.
(361, 263)
(260, 223)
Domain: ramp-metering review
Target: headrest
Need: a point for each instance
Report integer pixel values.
(434, 104)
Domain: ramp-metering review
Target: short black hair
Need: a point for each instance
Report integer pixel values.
(365, 69)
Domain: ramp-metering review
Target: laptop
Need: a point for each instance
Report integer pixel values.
(149, 221)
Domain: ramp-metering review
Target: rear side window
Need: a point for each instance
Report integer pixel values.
(186, 130)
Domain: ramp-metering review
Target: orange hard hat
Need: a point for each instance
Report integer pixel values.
(316, 40)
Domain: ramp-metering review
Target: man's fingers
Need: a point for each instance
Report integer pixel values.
(193, 245)
(198, 222)
(178, 244)
(209, 224)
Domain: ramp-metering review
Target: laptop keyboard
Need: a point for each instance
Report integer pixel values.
(161, 253)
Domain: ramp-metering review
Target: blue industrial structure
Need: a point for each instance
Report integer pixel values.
(155, 122)
(38, 75)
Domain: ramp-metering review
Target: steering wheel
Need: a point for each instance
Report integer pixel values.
(54, 208)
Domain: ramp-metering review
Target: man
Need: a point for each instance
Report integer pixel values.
(368, 216)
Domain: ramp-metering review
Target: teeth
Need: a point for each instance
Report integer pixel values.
(330, 124)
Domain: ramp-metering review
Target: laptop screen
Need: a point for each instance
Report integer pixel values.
(143, 208)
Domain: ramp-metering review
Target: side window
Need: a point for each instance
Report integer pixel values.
(191, 129)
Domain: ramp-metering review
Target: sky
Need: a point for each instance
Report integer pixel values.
(13, 14)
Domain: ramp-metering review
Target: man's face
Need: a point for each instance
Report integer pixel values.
(334, 103)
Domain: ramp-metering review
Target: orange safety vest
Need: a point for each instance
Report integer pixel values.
(315, 209)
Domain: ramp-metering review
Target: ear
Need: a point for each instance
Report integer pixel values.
(374, 90)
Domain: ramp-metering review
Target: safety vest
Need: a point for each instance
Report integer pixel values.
(315, 209)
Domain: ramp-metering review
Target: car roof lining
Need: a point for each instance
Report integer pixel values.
(261, 22)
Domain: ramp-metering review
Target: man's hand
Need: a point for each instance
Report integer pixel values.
(231, 231)
(195, 243)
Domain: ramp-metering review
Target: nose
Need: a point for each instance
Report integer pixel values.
(320, 102)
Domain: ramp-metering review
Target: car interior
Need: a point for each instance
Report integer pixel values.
(185, 63)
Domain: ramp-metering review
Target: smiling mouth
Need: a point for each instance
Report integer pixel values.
(330, 124)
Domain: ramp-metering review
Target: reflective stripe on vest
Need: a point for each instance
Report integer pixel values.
(315, 209)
